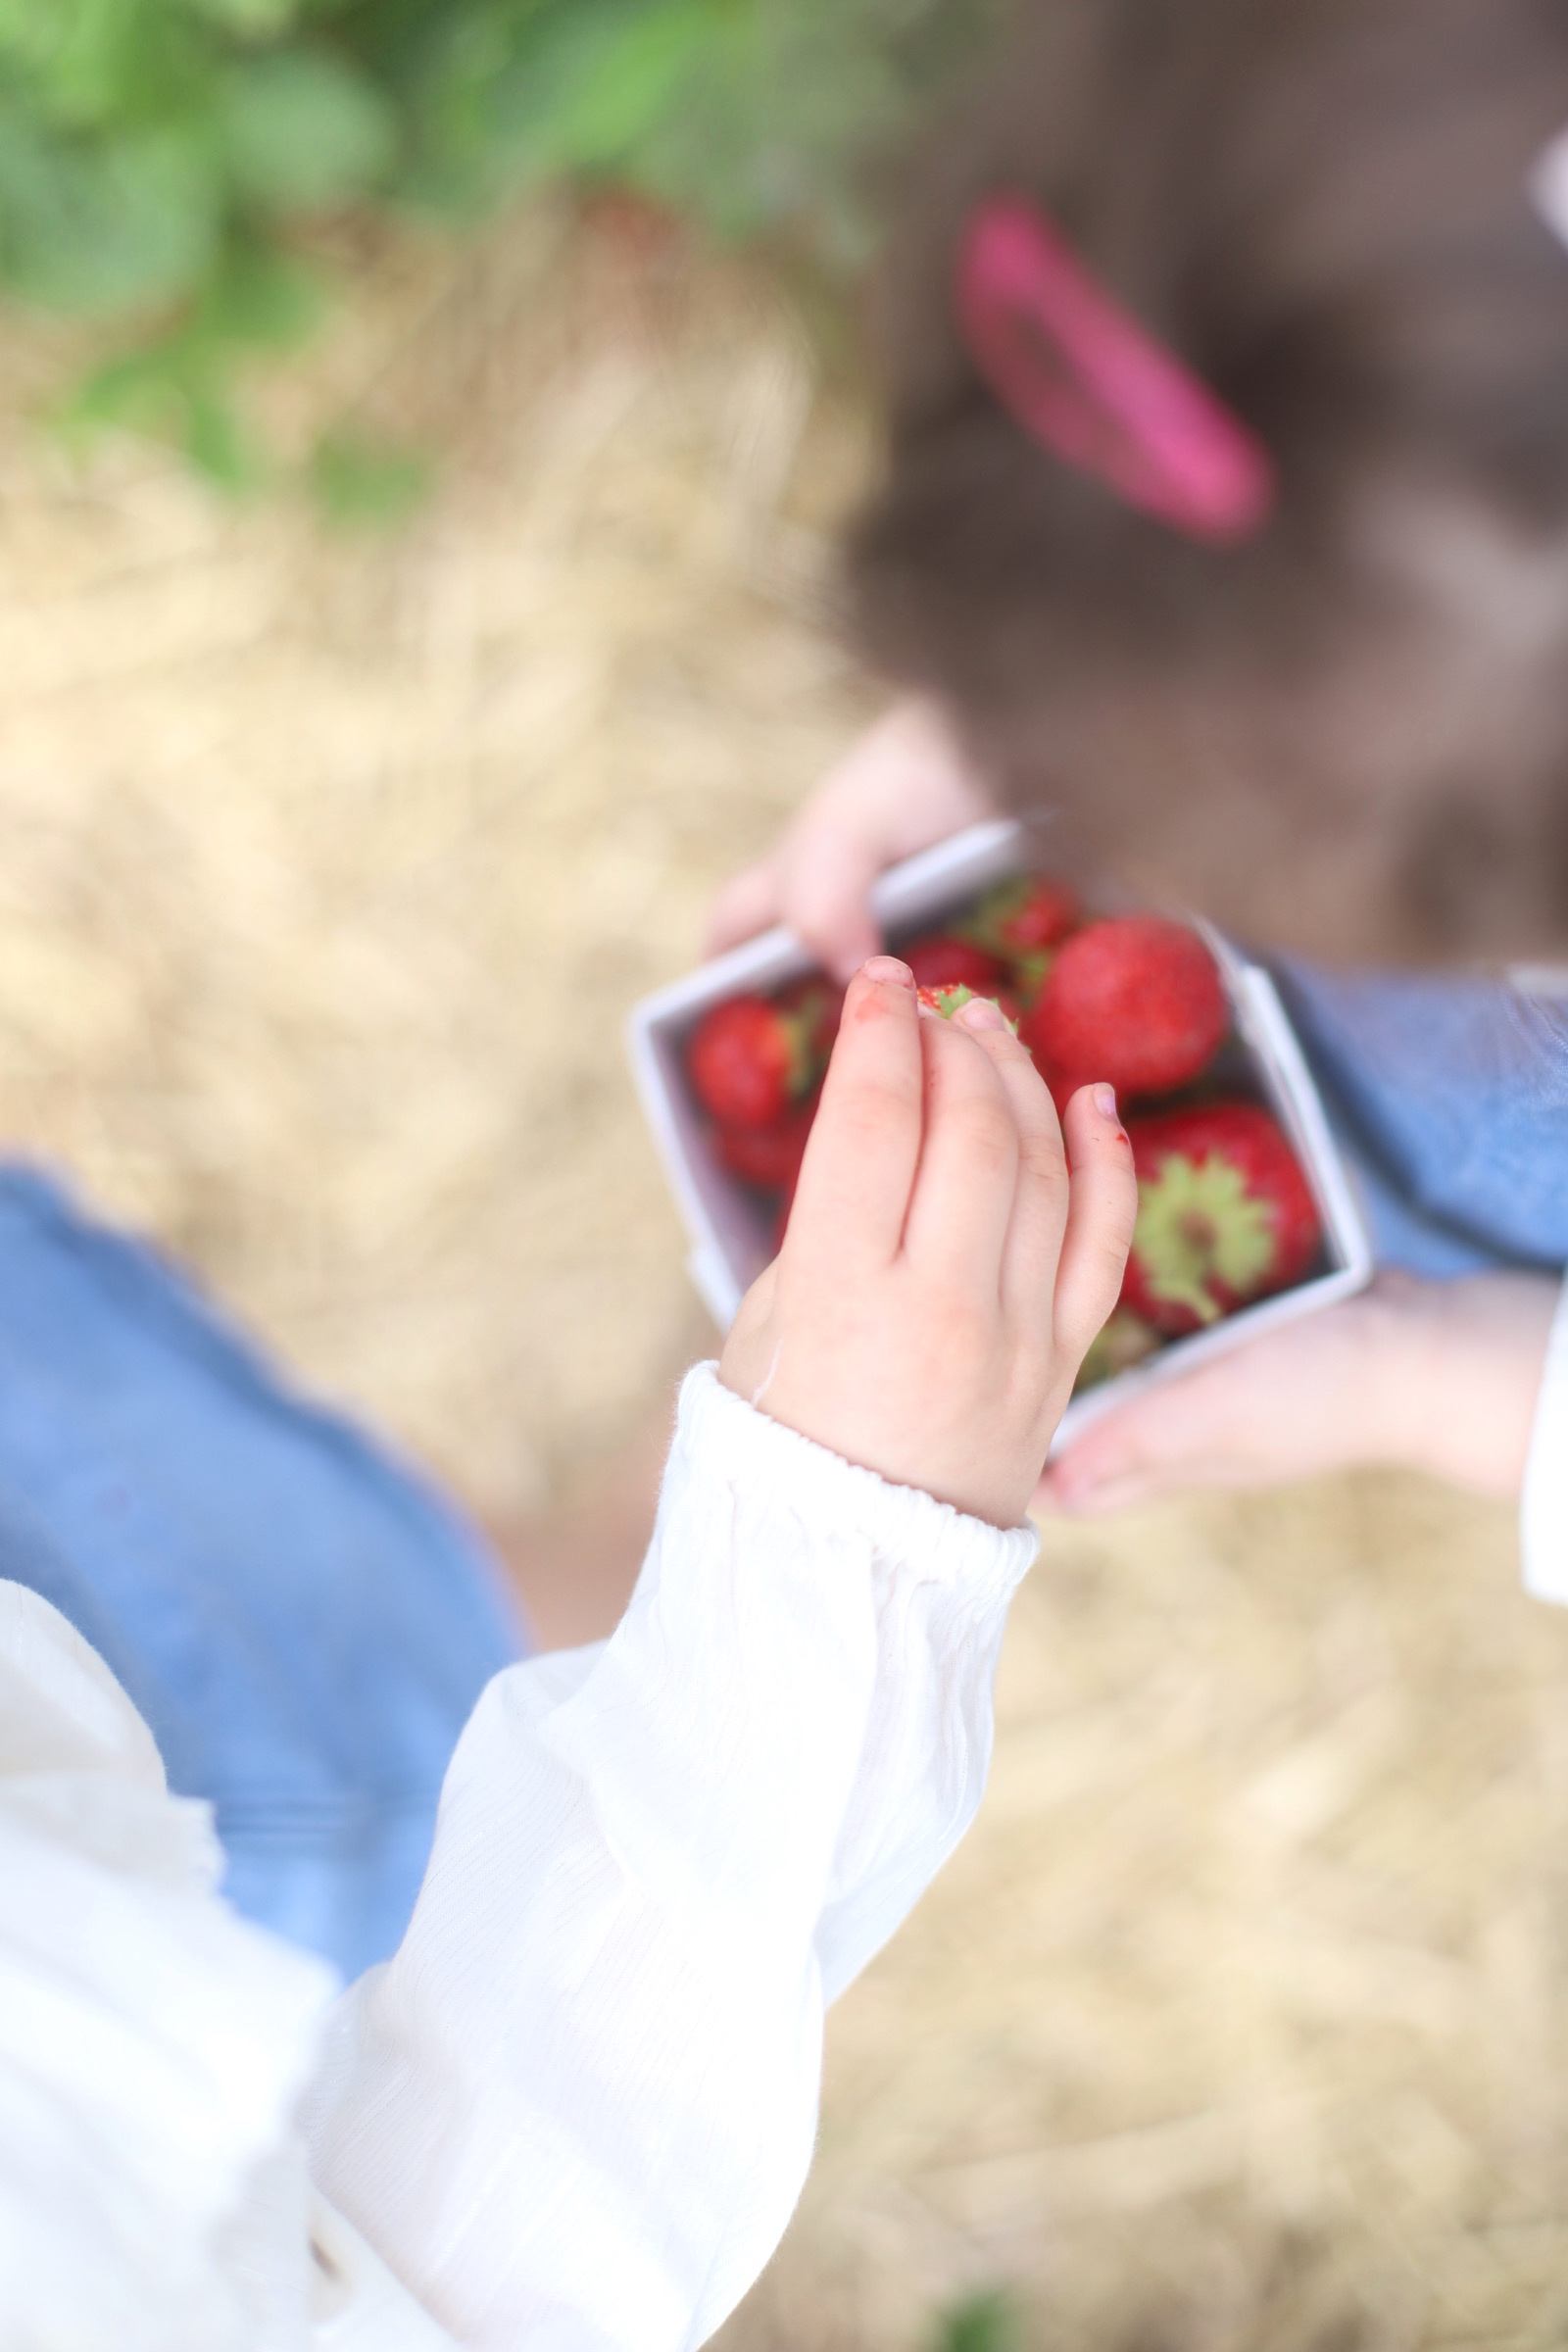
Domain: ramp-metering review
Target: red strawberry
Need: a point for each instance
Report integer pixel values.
(769, 1157)
(1024, 921)
(1224, 1214)
(1135, 1000)
(749, 1060)
(1020, 918)
(949, 963)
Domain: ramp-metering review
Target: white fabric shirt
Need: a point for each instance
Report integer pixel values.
(574, 2111)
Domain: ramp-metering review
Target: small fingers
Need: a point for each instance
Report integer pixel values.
(1101, 1211)
(1152, 1447)
(1298, 1400)
(1040, 1201)
(826, 871)
(1057, 1495)
(859, 1165)
(963, 1195)
(747, 903)
(904, 785)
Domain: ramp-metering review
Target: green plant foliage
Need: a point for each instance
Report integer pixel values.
(160, 159)
(368, 484)
(301, 133)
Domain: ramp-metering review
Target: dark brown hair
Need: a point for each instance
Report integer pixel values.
(1322, 207)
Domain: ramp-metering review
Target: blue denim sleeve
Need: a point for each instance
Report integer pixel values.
(303, 1622)
(1449, 1098)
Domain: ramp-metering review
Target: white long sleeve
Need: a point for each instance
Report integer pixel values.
(577, 2109)
(152, 2045)
(574, 2111)
(1544, 1501)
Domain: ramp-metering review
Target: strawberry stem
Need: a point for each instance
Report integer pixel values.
(1198, 1226)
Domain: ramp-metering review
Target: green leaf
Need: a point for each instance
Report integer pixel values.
(784, 114)
(218, 444)
(104, 62)
(260, 297)
(104, 225)
(175, 391)
(150, 152)
(301, 131)
(509, 90)
(367, 483)
(606, 76)
(248, 19)
(141, 391)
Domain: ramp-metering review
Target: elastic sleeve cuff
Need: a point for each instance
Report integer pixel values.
(899, 1523)
(1544, 1498)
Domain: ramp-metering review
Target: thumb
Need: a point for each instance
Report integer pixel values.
(744, 904)
(826, 895)
(1121, 1458)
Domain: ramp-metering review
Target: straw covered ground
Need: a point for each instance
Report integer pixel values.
(330, 871)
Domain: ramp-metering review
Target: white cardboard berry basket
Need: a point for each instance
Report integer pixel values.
(729, 1228)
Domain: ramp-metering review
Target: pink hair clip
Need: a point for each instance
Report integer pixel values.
(1084, 378)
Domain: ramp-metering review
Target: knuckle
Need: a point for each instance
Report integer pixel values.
(988, 1132)
(1107, 1257)
(1012, 1051)
(1112, 1202)
(1084, 1304)
(1043, 1156)
(874, 1105)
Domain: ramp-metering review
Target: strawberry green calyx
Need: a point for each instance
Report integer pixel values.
(946, 1002)
(1198, 1227)
(1031, 973)
(947, 999)
(1225, 1214)
(800, 1034)
(1124, 1341)
(808, 1020)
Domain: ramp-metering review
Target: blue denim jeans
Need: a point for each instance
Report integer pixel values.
(304, 1625)
(1450, 1100)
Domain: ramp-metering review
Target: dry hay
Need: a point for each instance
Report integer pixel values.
(331, 869)
(1239, 2020)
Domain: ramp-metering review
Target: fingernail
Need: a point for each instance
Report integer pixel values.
(981, 1014)
(889, 971)
(1105, 1102)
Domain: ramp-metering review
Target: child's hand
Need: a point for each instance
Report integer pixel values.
(941, 1275)
(1433, 1376)
(905, 785)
